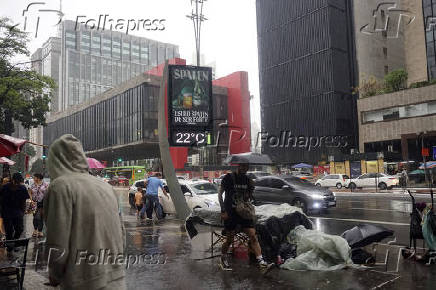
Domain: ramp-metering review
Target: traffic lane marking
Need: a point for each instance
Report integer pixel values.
(362, 221)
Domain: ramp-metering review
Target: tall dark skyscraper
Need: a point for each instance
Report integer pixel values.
(307, 72)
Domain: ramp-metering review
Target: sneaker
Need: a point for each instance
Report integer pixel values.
(225, 262)
(262, 263)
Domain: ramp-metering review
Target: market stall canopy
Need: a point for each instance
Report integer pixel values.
(249, 158)
(366, 234)
(429, 165)
(4, 160)
(10, 145)
(94, 164)
(302, 165)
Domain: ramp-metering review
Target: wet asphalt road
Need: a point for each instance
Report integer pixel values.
(176, 262)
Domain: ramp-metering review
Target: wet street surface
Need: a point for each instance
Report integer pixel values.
(189, 266)
(164, 257)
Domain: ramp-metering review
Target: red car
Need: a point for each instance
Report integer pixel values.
(119, 181)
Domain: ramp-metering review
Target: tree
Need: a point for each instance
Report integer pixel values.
(20, 158)
(369, 87)
(24, 94)
(396, 80)
(37, 166)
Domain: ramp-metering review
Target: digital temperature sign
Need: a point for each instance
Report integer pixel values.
(190, 105)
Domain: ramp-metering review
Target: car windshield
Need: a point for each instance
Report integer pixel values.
(296, 181)
(205, 188)
(261, 174)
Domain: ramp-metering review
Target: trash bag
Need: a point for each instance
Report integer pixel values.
(360, 256)
(318, 251)
(287, 251)
(273, 232)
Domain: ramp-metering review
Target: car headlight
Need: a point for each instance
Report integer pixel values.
(317, 196)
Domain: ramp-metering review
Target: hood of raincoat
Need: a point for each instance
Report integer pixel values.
(66, 156)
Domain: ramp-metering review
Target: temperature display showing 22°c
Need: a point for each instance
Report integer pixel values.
(191, 138)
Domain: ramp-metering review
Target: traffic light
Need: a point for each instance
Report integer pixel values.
(43, 156)
(120, 159)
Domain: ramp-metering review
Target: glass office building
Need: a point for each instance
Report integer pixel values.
(92, 61)
(123, 123)
(307, 69)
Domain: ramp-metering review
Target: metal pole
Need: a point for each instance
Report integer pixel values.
(177, 196)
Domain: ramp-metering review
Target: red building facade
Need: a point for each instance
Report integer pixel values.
(238, 108)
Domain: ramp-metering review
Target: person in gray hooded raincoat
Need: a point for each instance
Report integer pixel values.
(85, 231)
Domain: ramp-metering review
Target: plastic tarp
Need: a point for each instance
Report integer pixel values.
(318, 251)
(427, 231)
(212, 216)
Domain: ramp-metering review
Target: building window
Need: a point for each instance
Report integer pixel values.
(386, 69)
(95, 49)
(70, 39)
(85, 43)
(106, 46)
(385, 52)
(126, 50)
(409, 111)
(135, 52)
(144, 53)
(116, 48)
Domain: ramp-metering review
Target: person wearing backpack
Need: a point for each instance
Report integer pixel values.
(238, 212)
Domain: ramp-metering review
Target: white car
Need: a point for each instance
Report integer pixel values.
(383, 181)
(331, 180)
(198, 194)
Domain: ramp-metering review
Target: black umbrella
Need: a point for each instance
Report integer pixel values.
(249, 158)
(363, 235)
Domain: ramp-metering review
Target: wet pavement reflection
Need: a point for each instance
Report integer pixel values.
(186, 264)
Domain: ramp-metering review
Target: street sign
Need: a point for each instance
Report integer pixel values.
(425, 152)
(190, 106)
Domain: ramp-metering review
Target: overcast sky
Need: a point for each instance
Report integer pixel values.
(228, 36)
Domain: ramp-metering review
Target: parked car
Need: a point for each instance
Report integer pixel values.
(218, 180)
(294, 191)
(119, 181)
(198, 194)
(133, 189)
(338, 180)
(383, 181)
(256, 174)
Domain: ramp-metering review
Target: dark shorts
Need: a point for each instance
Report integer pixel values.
(139, 207)
(236, 222)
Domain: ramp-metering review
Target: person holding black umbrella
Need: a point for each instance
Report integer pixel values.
(238, 213)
